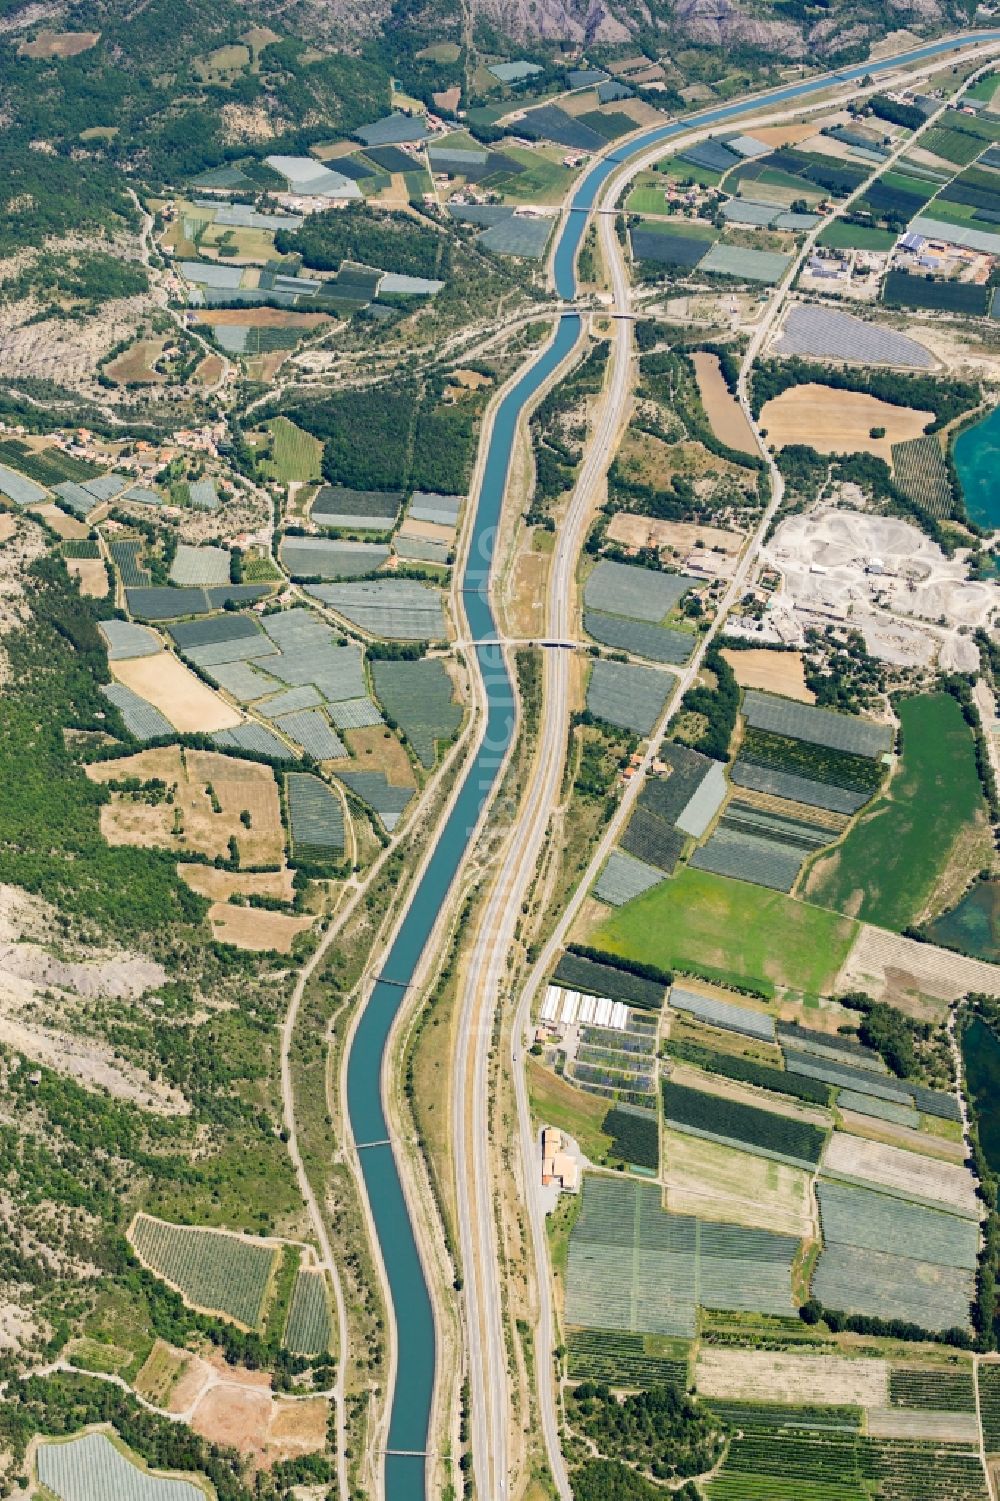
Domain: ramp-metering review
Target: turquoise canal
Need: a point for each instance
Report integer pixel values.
(405, 1467)
(981, 1055)
(977, 463)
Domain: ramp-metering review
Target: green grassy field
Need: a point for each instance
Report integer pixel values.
(647, 200)
(544, 180)
(886, 869)
(729, 929)
(686, 229)
(843, 236)
(679, 171)
(295, 455)
(556, 1102)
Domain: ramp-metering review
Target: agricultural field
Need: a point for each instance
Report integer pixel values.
(626, 695)
(814, 1380)
(833, 421)
(222, 1274)
(901, 289)
(730, 1122)
(781, 672)
(620, 1066)
(933, 1388)
(293, 456)
(889, 1257)
(254, 929)
(316, 815)
(819, 1454)
(635, 1136)
(716, 1181)
(841, 235)
(749, 854)
(190, 824)
(624, 877)
(626, 1360)
(708, 925)
(183, 699)
(723, 1014)
(988, 1382)
(888, 869)
(634, 1267)
(308, 1328)
(420, 698)
(93, 1465)
(891, 1170)
(921, 473)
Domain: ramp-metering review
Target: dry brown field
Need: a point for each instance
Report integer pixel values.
(680, 536)
(428, 531)
(254, 928)
(377, 749)
(238, 785)
(736, 1375)
(448, 99)
(220, 885)
(263, 317)
(784, 135)
(208, 370)
(260, 36)
(191, 705)
(92, 574)
(724, 412)
(772, 671)
(64, 526)
(8, 526)
(136, 363)
(718, 1182)
(59, 44)
(471, 380)
(234, 1406)
(839, 421)
(264, 367)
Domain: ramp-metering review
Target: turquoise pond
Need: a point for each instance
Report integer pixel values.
(981, 1054)
(977, 462)
(973, 927)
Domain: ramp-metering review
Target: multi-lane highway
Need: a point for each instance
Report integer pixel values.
(483, 987)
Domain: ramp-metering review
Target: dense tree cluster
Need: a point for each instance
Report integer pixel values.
(716, 709)
(665, 1433)
(389, 241)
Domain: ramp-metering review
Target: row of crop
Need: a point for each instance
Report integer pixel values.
(816, 762)
(717, 1116)
(937, 1390)
(747, 1071)
(228, 1274)
(621, 1359)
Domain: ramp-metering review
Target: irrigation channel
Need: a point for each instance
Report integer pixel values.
(405, 1464)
